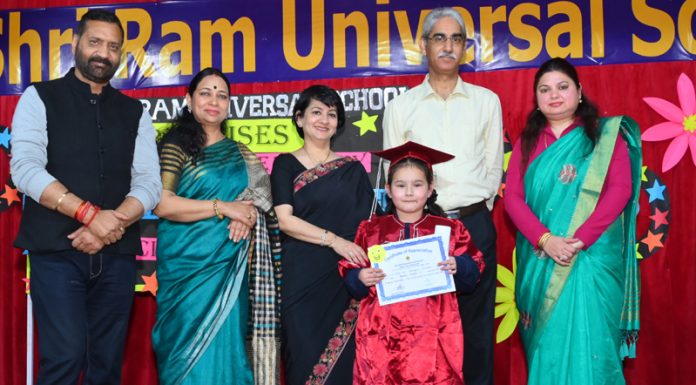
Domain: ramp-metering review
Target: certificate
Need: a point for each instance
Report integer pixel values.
(411, 269)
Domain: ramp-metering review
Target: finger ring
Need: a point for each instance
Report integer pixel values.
(122, 229)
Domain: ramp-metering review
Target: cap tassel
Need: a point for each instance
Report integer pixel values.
(374, 198)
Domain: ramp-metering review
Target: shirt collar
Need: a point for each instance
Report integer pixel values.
(427, 90)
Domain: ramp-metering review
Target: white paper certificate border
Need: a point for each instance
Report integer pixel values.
(385, 299)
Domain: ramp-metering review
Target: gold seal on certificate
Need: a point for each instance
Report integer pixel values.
(411, 270)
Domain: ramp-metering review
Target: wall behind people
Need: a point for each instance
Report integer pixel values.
(648, 54)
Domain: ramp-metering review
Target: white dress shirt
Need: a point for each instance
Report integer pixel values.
(467, 124)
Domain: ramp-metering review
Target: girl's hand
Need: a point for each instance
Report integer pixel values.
(561, 250)
(449, 265)
(370, 277)
(238, 231)
(349, 250)
(239, 211)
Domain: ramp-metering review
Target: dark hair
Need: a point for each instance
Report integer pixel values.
(536, 121)
(322, 94)
(186, 131)
(430, 206)
(99, 15)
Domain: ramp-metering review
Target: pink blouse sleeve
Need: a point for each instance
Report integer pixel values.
(515, 201)
(613, 198)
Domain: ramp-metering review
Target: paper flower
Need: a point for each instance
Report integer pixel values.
(680, 125)
(505, 301)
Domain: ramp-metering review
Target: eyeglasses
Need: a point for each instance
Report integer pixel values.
(440, 38)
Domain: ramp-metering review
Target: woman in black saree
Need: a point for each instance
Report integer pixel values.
(320, 198)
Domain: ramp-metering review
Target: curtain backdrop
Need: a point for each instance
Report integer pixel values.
(669, 276)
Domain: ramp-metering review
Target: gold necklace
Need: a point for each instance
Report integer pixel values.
(314, 161)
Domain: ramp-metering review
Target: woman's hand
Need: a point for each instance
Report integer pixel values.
(238, 231)
(579, 245)
(370, 277)
(239, 211)
(242, 216)
(562, 250)
(349, 250)
(449, 265)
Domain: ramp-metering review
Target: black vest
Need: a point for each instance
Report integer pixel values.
(91, 140)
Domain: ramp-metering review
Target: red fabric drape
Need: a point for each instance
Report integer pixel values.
(669, 276)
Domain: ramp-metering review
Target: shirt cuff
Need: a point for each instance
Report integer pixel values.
(355, 287)
(467, 275)
(145, 198)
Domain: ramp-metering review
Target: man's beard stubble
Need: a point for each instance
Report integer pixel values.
(97, 75)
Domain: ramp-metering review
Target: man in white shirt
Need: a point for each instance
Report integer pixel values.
(465, 120)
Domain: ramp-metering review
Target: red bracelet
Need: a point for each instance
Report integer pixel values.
(84, 212)
(80, 212)
(96, 211)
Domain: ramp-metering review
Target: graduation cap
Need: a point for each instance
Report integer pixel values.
(411, 149)
(429, 156)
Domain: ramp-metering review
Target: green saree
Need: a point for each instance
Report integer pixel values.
(578, 322)
(203, 303)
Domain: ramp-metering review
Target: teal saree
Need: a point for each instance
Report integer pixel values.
(578, 322)
(202, 333)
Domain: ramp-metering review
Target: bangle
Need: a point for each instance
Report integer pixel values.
(81, 211)
(95, 210)
(543, 239)
(323, 238)
(60, 200)
(332, 240)
(217, 210)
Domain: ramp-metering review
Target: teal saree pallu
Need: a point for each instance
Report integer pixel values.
(203, 304)
(579, 321)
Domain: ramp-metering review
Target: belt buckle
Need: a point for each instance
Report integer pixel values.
(470, 209)
(453, 214)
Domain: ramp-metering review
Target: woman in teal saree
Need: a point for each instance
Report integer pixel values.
(213, 249)
(572, 191)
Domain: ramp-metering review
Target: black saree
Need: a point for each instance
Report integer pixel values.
(317, 313)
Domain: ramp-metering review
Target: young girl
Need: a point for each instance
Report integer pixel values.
(420, 340)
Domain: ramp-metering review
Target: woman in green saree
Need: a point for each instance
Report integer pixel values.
(572, 191)
(213, 245)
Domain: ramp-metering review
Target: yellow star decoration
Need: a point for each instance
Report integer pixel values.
(505, 301)
(366, 123)
(506, 160)
(644, 178)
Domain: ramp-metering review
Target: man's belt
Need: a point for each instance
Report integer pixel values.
(470, 209)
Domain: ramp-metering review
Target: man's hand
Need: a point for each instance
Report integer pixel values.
(108, 226)
(85, 241)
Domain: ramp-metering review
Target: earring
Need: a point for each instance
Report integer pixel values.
(538, 109)
(580, 99)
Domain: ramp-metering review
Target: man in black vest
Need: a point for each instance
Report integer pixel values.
(85, 156)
